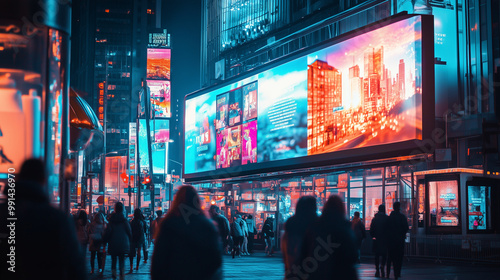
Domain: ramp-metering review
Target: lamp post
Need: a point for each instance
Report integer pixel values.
(171, 182)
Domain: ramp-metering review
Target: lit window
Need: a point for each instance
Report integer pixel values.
(149, 11)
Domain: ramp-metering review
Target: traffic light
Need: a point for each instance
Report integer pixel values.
(147, 180)
(124, 177)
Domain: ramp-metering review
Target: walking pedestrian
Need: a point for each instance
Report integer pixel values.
(244, 244)
(222, 224)
(397, 229)
(268, 234)
(96, 244)
(237, 234)
(155, 225)
(251, 232)
(82, 229)
(139, 229)
(296, 228)
(330, 247)
(378, 232)
(188, 245)
(358, 227)
(46, 246)
(118, 235)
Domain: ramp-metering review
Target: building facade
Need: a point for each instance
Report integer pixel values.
(438, 185)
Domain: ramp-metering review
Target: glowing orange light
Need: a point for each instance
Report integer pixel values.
(107, 11)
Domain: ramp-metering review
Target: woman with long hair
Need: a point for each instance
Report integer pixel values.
(96, 244)
(139, 229)
(188, 245)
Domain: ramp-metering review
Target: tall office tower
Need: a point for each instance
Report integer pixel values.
(324, 96)
(356, 83)
(401, 79)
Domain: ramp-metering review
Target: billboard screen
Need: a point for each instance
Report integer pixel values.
(160, 98)
(364, 90)
(159, 140)
(158, 65)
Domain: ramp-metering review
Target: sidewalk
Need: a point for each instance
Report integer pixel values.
(259, 266)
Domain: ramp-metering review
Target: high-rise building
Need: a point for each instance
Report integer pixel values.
(324, 97)
(401, 79)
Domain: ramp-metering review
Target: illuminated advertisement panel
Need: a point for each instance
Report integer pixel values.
(160, 98)
(444, 203)
(159, 140)
(478, 199)
(359, 92)
(158, 64)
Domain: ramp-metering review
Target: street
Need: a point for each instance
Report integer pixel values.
(258, 266)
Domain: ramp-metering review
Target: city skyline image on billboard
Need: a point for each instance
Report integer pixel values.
(364, 91)
(158, 64)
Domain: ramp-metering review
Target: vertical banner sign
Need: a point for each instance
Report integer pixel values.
(132, 151)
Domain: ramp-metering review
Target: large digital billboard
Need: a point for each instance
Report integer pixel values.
(158, 64)
(364, 90)
(160, 98)
(159, 141)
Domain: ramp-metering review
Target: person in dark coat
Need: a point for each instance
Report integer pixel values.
(188, 245)
(359, 231)
(378, 232)
(251, 232)
(397, 229)
(46, 245)
(155, 225)
(295, 231)
(237, 233)
(330, 247)
(82, 229)
(139, 229)
(268, 234)
(96, 244)
(221, 222)
(118, 235)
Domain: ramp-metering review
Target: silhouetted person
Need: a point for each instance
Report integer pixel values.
(96, 244)
(268, 234)
(118, 235)
(222, 224)
(237, 233)
(139, 229)
(378, 232)
(188, 244)
(155, 225)
(46, 246)
(330, 248)
(296, 228)
(82, 229)
(397, 229)
(251, 232)
(359, 232)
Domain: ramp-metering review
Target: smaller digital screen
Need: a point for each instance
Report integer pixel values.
(478, 201)
(444, 203)
(158, 64)
(160, 98)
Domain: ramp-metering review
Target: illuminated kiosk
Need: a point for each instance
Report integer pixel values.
(353, 117)
(34, 74)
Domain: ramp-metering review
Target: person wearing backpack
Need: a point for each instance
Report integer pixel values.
(139, 229)
(96, 244)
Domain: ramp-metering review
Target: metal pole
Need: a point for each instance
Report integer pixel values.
(147, 103)
(138, 175)
(103, 156)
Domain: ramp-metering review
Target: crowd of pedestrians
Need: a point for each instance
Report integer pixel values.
(314, 247)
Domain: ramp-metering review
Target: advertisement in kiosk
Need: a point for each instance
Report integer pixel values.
(361, 92)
